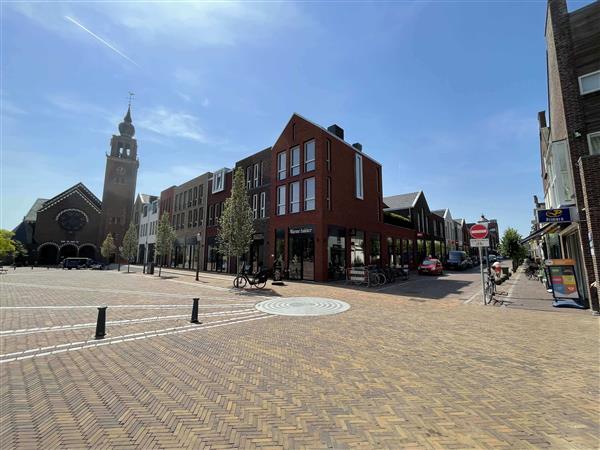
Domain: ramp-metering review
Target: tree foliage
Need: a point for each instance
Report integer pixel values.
(7, 244)
(130, 242)
(510, 245)
(165, 237)
(236, 224)
(108, 247)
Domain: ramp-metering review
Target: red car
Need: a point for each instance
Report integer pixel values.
(431, 267)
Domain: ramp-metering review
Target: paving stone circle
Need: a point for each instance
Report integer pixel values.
(302, 306)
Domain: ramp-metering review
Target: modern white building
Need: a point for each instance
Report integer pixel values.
(147, 228)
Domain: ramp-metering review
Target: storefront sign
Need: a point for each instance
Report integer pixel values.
(554, 215)
(563, 278)
(301, 230)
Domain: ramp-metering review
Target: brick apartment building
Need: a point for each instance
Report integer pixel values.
(327, 211)
(189, 205)
(570, 141)
(257, 171)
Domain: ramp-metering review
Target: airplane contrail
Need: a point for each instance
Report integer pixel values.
(70, 19)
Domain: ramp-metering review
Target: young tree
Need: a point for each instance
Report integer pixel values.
(510, 245)
(108, 247)
(165, 237)
(236, 225)
(130, 242)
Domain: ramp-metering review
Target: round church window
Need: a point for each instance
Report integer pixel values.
(71, 220)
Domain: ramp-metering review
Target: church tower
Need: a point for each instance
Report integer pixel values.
(119, 182)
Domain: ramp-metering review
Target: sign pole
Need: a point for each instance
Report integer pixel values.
(482, 277)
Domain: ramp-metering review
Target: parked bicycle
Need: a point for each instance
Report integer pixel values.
(258, 279)
(490, 291)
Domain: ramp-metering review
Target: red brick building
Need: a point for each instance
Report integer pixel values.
(327, 205)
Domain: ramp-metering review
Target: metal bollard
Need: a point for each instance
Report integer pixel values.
(195, 311)
(101, 323)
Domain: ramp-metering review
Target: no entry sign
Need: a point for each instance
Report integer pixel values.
(479, 231)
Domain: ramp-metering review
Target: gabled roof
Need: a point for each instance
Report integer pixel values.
(460, 221)
(31, 215)
(440, 212)
(334, 137)
(80, 189)
(146, 198)
(402, 201)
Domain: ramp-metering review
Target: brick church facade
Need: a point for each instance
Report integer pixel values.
(75, 222)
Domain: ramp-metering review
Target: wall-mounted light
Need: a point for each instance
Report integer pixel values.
(577, 134)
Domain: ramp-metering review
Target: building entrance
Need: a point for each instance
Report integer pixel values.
(301, 254)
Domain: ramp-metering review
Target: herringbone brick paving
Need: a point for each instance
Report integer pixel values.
(389, 373)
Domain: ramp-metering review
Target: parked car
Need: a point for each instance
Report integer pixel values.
(431, 267)
(97, 265)
(76, 263)
(457, 260)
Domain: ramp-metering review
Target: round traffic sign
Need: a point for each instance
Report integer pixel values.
(478, 231)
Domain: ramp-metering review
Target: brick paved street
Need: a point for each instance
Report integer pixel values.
(394, 371)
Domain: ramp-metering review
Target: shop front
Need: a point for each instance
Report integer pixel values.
(301, 252)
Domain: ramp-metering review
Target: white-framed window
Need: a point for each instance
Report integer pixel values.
(309, 156)
(281, 166)
(249, 177)
(594, 143)
(263, 202)
(295, 161)
(255, 206)
(295, 197)
(309, 194)
(219, 181)
(589, 82)
(262, 173)
(358, 176)
(281, 200)
(256, 175)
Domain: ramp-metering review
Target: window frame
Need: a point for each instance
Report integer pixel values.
(314, 196)
(314, 156)
(291, 199)
(249, 177)
(589, 139)
(294, 168)
(256, 175)
(579, 79)
(281, 200)
(263, 203)
(328, 194)
(359, 187)
(282, 168)
(255, 206)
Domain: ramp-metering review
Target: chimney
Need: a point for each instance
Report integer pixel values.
(338, 131)
(357, 146)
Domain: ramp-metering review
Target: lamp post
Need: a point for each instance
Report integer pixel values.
(198, 240)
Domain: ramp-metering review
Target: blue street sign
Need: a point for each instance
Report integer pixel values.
(554, 215)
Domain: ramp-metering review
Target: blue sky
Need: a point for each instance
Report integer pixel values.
(443, 94)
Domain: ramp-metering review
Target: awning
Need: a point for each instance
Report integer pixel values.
(551, 228)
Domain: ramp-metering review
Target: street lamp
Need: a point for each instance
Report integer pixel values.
(198, 240)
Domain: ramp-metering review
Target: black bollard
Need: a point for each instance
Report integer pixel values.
(101, 323)
(195, 311)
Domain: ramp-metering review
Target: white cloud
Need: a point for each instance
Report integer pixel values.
(172, 124)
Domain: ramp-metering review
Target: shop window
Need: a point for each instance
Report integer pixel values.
(295, 161)
(336, 253)
(309, 194)
(281, 166)
(375, 252)
(281, 200)
(295, 197)
(309, 156)
(357, 248)
(279, 246)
